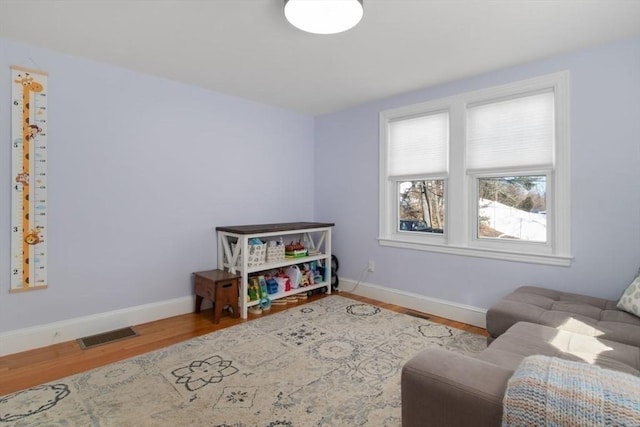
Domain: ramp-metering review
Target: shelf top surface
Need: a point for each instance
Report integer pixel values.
(270, 228)
(217, 275)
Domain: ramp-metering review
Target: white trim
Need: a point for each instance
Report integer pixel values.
(451, 310)
(67, 330)
(532, 258)
(458, 237)
(561, 202)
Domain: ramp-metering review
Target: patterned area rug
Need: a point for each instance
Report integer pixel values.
(332, 362)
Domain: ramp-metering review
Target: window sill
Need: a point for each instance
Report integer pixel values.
(532, 258)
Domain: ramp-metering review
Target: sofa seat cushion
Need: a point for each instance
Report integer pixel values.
(586, 315)
(526, 339)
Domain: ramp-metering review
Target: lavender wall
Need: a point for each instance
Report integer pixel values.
(605, 201)
(141, 170)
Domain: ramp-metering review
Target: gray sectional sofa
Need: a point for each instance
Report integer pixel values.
(586, 315)
(441, 388)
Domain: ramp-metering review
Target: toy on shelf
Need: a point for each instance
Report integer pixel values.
(272, 284)
(265, 304)
(318, 272)
(259, 284)
(295, 250)
(254, 290)
(294, 274)
(284, 284)
(262, 282)
(308, 274)
(287, 281)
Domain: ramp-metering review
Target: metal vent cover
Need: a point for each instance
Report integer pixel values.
(107, 337)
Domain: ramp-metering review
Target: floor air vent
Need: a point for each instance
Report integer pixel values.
(107, 337)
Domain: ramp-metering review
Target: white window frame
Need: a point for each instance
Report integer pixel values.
(461, 210)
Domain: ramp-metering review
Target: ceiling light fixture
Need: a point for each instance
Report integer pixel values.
(323, 16)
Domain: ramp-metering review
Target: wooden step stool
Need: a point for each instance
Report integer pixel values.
(220, 287)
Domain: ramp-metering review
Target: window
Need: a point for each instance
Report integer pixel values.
(421, 206)
(483, 174)
(417, 166)
(512, 207)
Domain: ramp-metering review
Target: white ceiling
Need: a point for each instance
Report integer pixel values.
(246, 48)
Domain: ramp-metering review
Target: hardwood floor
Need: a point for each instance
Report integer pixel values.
(27, 369)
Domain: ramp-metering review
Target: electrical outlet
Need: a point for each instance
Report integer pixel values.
(372, 266)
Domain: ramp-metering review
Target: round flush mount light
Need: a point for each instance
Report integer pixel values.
(323, 16)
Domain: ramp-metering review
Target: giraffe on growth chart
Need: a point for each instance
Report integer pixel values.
(29, 86)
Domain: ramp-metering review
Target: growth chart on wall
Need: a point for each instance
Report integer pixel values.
(29, 179)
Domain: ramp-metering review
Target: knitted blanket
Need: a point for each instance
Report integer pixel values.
(547, 391)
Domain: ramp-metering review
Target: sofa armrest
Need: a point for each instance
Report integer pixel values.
(442, 388)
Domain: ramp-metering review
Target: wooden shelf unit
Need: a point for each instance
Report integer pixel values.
(233, 247)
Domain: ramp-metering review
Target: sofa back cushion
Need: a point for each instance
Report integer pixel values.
(586, 315)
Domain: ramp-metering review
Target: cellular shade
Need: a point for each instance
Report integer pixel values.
(513, 133)
(418, 145)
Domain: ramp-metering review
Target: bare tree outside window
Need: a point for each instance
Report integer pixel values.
(421, 206)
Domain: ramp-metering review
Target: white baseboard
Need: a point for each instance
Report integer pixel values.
(67, 330)
(450, 310)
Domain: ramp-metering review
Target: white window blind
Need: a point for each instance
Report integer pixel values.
(419, 145)
(514, 133)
